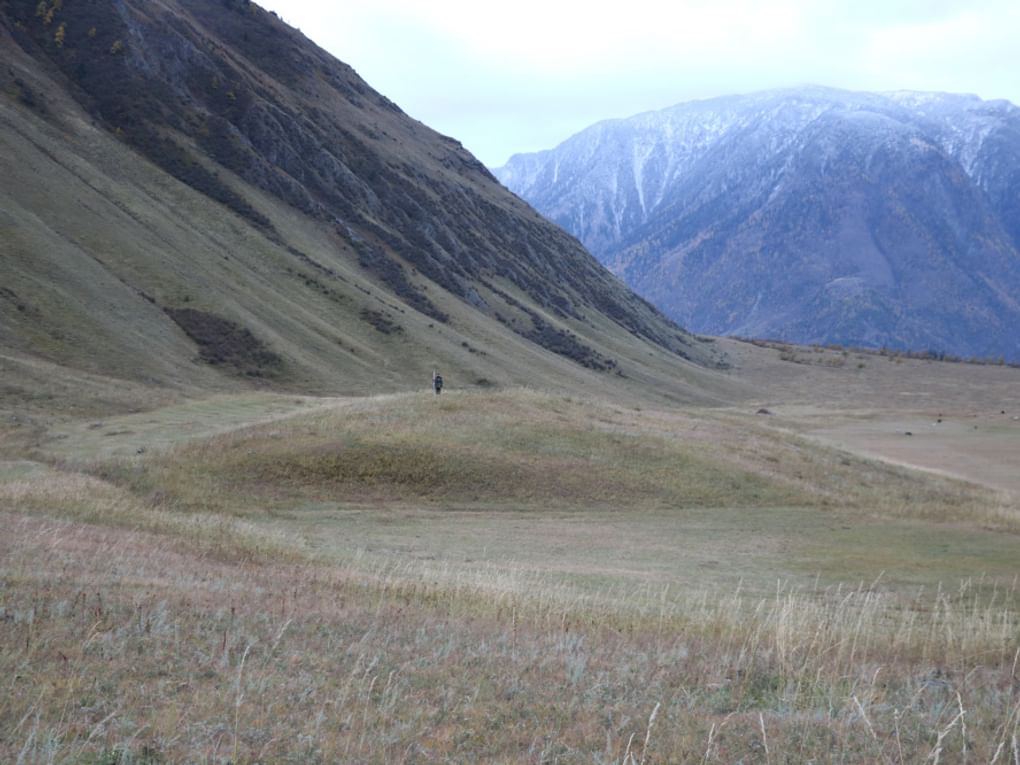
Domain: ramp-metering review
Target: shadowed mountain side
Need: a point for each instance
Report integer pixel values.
(197, 194)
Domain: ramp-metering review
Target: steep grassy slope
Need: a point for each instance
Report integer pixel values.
(195, 195)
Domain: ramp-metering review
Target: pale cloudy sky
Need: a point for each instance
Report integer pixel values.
(523, 75)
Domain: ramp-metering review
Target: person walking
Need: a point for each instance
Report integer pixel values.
(437, 382)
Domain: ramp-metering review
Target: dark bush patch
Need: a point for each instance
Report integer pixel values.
(11, 297)
(28, 96)
(221, 342)
(566, 344)
(392, 274)
(314, 284)
(179, 163)
(381, 321)
(551, 338)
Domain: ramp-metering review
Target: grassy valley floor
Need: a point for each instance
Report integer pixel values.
(505, 576)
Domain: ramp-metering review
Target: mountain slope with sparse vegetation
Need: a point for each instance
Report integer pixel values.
(197, 195)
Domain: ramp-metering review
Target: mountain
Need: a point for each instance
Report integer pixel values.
(194, 194)
(812, 215)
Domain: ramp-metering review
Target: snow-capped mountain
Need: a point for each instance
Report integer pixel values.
(811, 214)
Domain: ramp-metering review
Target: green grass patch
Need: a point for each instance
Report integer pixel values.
(509, 447)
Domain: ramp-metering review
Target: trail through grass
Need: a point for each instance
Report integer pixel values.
(125, 435)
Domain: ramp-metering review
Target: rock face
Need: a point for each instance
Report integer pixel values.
(811, 215)
(226, 98)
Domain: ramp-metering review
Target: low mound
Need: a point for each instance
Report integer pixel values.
(515, 448)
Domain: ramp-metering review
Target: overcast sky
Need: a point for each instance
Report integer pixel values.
(523, 75)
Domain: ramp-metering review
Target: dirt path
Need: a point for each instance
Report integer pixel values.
(131, 434)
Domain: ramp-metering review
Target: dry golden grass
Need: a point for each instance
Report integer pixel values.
(120, 646)
(89, 500)
(506, 577)
(528, 449)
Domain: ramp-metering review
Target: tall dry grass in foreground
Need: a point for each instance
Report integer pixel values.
(122, 646)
